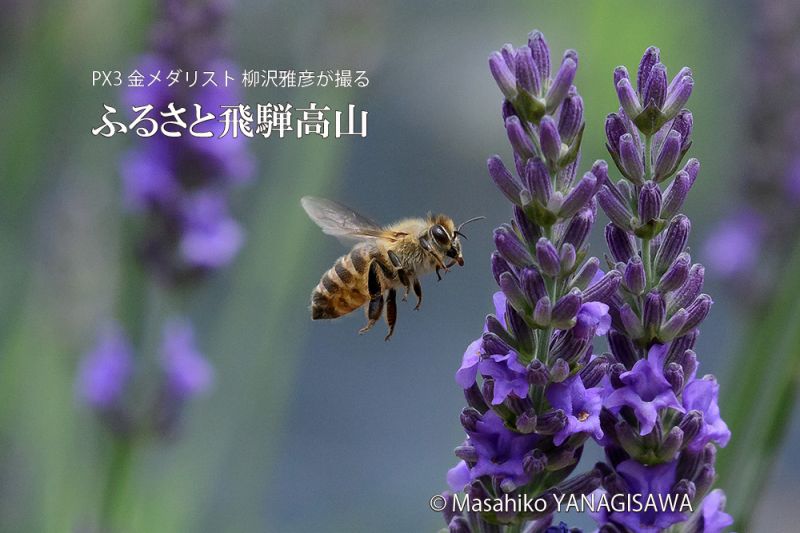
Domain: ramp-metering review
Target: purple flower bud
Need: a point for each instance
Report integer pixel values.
(542, 311)
(604, 288)
(594, 372)
(547, 257)
(538, 180)
(628, 99)
(620, 243)
(510, 287)
(649, 59)
(527, 75)
(459, 524)
(494, 326)
(532, 284)
(674, 375)
(561, 83)
(534, 462)
(697, 311)
(674, 325)
(499, 265)
(568, 257)
(510, 247)
(691, 288)
(526, 422)
(474, 398)
(654, 311)
(550, 140)
(678, 348)
(509, 54)
(494, 345)
(579, 196)
(649, 202)
(677, 96)
(631, 159)
(586, 274)
(502, 75)
(675, 195)
(566, 309)
(617, 211)
(634, 277)
(570, 118)
(692, 168)
(530, 231)
(600, 171)
(614, 372)
(537, 373)
(704, 479)
(578, 228)
(688, 360)
(683, 124)
(631, 323)
(470, 418)
(655, 89)
(691, 424)
(620, 73)
(519, 138)
(622, 348)
(668, 157)
(503, 179)
(551, 422)
(615, 128)
(466, 453)
(675, 239)
(540, 52)
(676, 274)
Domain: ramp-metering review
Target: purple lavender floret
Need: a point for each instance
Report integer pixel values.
(186, 371)
(181, 184)
(580, 405)
(106, 370)
(645, 390)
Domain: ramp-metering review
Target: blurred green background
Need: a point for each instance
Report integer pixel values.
(310, 427)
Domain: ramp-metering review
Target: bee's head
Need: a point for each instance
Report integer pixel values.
(444, 236)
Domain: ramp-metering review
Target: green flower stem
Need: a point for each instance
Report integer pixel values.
(117, 475)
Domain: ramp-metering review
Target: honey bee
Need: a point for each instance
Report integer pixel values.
(383, 260)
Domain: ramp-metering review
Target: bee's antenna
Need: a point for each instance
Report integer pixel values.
(473, 219)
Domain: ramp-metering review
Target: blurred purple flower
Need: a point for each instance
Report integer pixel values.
(211, 237)
(106, 370)
(187, 372)
(712, 517)
(735, 245)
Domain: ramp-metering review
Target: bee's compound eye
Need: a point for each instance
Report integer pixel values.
(440, 235)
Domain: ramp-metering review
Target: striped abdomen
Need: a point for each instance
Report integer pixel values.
(343, 288)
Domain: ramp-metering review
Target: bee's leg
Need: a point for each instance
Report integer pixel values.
(391, 312)
(375, 306)
(418, 292)
(401, 272)
(439, 264)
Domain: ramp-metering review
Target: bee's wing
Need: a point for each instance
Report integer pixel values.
(342, 222)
